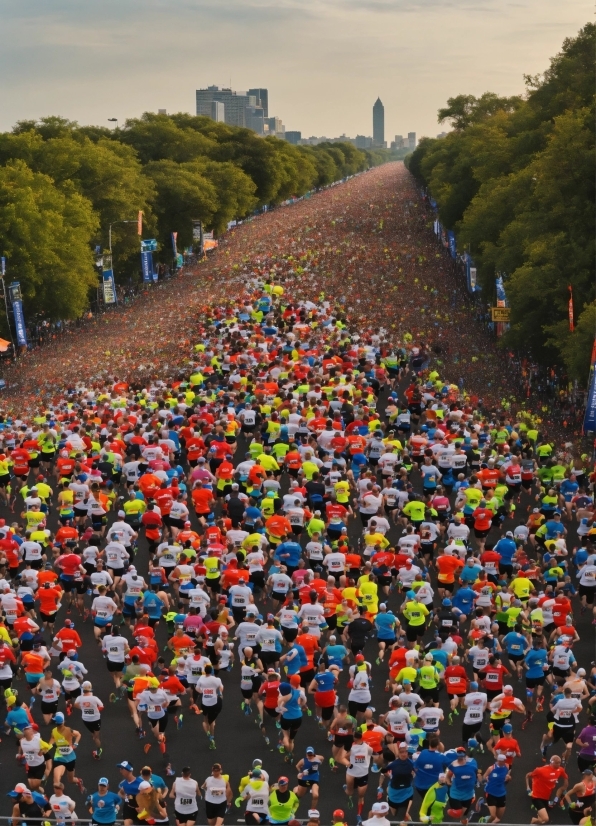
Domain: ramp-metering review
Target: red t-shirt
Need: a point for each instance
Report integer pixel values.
(544, 780)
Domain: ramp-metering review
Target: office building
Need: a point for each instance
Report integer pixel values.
(294, 137)
(411, 140)
(162, 112)
(262, 98)
(275, 127)
(378, 123)
(398, 143)
(363, 142)
(235, 104)
(218, 111)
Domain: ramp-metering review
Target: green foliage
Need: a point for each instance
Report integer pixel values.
(78, 180)
(46, 233)
(515, 180)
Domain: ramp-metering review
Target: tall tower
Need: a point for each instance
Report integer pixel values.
(378, 123)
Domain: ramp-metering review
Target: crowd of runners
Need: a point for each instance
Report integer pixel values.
(313, 507)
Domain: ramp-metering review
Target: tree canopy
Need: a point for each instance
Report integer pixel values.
(62, 185)
(515, 180)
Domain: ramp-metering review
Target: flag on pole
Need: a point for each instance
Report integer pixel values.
(571, 322)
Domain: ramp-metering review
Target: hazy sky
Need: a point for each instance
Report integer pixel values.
(323, 61)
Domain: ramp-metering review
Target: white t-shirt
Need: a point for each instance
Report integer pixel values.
(209, 687)
(90, 706)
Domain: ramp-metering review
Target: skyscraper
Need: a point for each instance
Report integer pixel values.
(262, 96)
(235, 104)
(412, 140)
(378, 123)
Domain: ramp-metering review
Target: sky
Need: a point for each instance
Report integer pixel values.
(325, 62)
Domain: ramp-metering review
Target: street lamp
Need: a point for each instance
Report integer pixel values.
(113, 120)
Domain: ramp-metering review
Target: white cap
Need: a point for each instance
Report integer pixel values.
(581, 672)
(86, 684)
(144, 785)
(380, 808)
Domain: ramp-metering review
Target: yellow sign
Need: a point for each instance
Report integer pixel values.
(500, 313)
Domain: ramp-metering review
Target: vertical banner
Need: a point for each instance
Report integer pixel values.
(109, 287)
(590, 416)
(472, 279)
(14, 290)
(452, 245)
(174, 242)
(571, 319)
(197, 237)
(140, 222)
(3, 266)
(147, 266)
(500, 326)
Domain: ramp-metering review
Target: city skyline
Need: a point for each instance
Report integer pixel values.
(63, 59)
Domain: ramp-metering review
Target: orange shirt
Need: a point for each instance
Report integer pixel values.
(49, 599)
(278, 525)
(202, 500)
(182, 643)
(310, 645)
(447, 566)
(32, 663)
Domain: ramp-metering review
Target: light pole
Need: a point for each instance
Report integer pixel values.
(113, 120)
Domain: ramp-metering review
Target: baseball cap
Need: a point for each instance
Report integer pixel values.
(58, 717)
(507, 689)
(124, 765)
(144, 785)
(474, 685)
(380, 808)
(442, 776)
(310, 750)
(121, 513)
(501, 757)
(283, 781)
(103, 781)
(86, 685)
(338, 813)
(507, 728)
(20, 788)
(314, 813)
(509, 533)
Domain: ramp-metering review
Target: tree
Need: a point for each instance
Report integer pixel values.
(235, 191)
(46, 235)
(183, 194)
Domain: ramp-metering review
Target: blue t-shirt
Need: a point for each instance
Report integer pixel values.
(515, 644)
(495, 784)
(464, 598)
(535, 659)
(468, 574)
(463, 781)
(130, 787)
(385, 623)
(336, 654)
(429, 766)
(292, 710)
(296, 661)
(325, 681)
(554, 529)
(289, 553)
(568, 489)
(506, 547)
(17, 718)
(107, 811)
(153, 605)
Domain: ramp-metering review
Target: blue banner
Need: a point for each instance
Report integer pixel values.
(19, 323)
(149, 245)
(147, 266)
(109, 287)
(452, 247)
(174, 243)
(590, 417)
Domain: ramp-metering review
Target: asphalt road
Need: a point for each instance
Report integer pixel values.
(239, 740)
